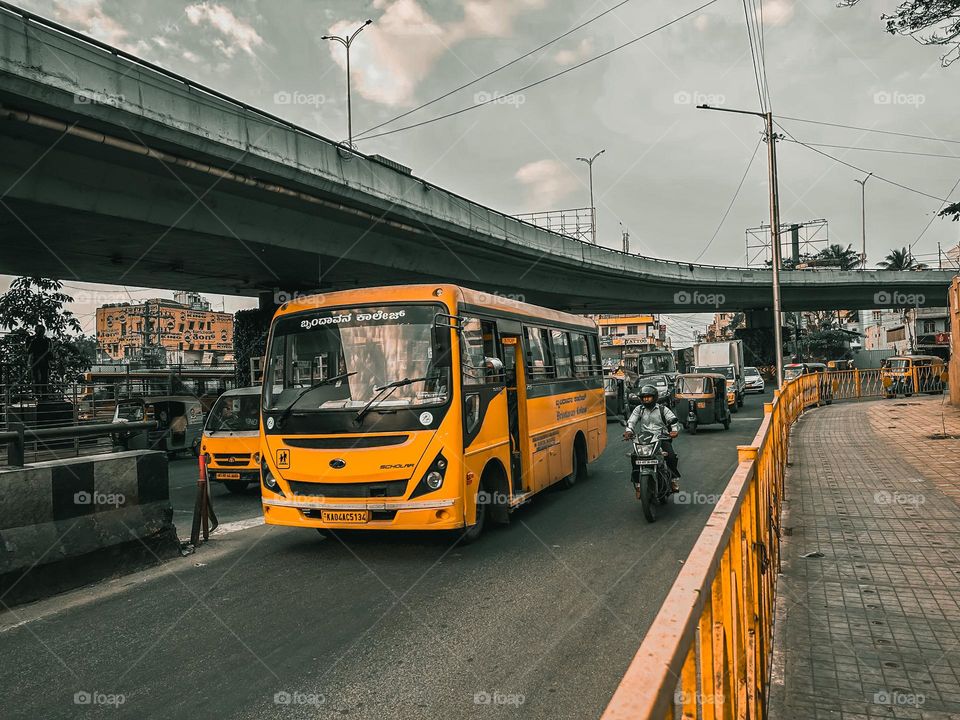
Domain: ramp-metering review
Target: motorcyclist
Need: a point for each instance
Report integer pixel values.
(653, 417)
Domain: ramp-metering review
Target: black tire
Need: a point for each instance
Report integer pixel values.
(739, 401)
(235, 487)
(726, 423)
(578, 469)
(693, 428)
(472, 533)
(735, 408)
(648, 497)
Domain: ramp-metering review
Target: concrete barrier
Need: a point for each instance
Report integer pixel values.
(68, 522)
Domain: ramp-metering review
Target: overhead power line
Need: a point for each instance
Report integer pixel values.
(541, 81)
(882, 150)
(870, 130)
(736, 194)
(860, 169)
(496, 69)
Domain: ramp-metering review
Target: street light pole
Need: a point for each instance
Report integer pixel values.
(593, 208)
(863, 218)
(775, 248)
(346, 41)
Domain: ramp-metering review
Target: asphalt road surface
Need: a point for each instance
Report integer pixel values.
(538, 619)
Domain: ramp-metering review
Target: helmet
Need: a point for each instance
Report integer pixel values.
(649, 391)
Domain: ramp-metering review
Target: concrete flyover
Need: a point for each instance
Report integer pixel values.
(112, 170)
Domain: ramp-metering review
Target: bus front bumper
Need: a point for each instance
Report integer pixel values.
(444, 514)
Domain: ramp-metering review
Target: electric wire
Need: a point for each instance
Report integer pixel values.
(495, 70)
(736, 194)
(543, 80)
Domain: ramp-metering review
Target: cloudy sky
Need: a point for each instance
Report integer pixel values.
(669, 171)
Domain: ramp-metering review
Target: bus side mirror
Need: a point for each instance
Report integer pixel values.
(448, 322)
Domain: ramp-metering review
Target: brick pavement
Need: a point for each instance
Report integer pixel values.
(872, 628)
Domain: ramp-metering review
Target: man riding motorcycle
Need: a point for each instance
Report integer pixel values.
(655, 418)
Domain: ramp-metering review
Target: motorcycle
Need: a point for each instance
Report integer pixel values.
(649, 472)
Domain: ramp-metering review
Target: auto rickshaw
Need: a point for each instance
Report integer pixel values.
(231, 439)
(840, 365)
(701, 399)
(179, 421)
(618, 385)
(909, 374)
(795, 370)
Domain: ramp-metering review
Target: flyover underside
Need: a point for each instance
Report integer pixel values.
(80, 209)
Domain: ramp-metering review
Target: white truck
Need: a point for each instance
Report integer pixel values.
(725, 358)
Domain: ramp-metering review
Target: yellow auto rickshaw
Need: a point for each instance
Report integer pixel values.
(702, 399)
(231, 439)
(909, 374)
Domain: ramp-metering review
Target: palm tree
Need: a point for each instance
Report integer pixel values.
(846, 257)
(900, 259)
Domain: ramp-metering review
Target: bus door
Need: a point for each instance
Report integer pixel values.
(516, 386)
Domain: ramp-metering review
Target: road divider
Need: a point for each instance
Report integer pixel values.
(64, 523)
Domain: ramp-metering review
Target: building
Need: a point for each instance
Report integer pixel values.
(723, 325)
(924, 331)
(183, 331)
(638, 332)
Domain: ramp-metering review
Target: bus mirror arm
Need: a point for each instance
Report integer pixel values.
(445, 320)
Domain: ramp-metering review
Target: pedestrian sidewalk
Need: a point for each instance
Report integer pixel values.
(868, 605)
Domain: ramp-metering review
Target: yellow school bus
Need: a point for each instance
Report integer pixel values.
(231, 439)
(424, 407)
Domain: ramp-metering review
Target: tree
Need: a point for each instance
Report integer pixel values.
(900, 259)
(951, 211)
(827, 345)
(31, 301)
(928, 22)
(846, 258)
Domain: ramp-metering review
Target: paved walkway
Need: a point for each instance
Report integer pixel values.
(872, 628)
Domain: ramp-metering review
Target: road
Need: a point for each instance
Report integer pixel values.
(538, 619)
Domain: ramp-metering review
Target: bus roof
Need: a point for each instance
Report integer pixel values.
(472, 299)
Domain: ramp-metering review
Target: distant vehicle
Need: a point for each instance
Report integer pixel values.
(179, 421)
(618, 385)
(840, 365)
(795, 370)
(663, 384)
(909, 374)
(655, 362)
(753, 381)
(726, 358)
(231, 439)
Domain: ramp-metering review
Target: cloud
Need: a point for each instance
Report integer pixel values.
(405, 42)
(574, 55)
(778, 12)
(88, 17)
(548, 183)
(236, 32)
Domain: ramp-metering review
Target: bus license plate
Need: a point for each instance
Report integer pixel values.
(228, 476)
(345, 516)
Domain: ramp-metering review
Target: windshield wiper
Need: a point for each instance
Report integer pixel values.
(383, 392)
(304, 391)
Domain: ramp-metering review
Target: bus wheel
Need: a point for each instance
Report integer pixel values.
(473, 533)
(578, 468)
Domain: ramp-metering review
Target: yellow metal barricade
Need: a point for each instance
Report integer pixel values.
(855, 384)
(708, 652)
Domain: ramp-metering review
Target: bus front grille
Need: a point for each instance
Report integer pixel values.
(389, 489)
(345, 443)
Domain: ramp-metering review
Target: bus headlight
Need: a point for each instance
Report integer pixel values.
(269, 481)
(432, 479)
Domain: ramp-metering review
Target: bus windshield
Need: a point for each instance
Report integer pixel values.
(655, 363)
(369, 346)
(235, 413)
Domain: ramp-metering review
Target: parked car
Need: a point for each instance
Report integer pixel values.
(753, 381)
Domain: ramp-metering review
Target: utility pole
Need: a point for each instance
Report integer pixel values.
(774, 227)
(593, 208)
(346, 41)
(863, 219)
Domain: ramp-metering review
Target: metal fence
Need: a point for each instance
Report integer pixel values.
(708, 652)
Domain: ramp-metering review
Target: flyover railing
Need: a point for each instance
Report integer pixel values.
(708, 653)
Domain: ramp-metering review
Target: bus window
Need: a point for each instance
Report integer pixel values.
(561, 353)
(538, 360)
(596, 368)
(473, 350)
(581, 355)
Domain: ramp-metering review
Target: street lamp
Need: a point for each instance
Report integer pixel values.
(863, 218)
(593, 208)
(346, 41)
(774, 227)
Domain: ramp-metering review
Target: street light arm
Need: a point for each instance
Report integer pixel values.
(731, 110)
(337, 38)
(357, 31)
